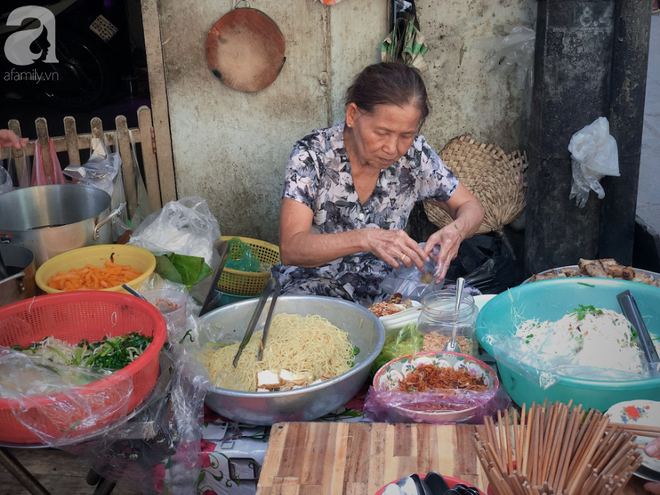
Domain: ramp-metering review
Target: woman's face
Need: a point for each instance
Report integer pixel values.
(383, 135)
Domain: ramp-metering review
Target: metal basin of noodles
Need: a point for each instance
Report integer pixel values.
(304, 404)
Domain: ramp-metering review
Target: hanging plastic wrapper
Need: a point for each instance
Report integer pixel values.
(329, 2)
(39, 175)
(594, 155)
(406, 43)
(6, 182)
(103, 171)
(515, 51)
(62, 404)
(143, 209)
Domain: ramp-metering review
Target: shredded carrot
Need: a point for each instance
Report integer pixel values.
(94, 278)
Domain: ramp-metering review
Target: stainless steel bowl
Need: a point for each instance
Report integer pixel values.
(308, 403)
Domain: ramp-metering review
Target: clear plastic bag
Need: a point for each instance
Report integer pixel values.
(594, 155)
(397, 406)
(242, 258)
(60, 403)
(546, 369)
(408, 341)
(514, 51)
(183, 227)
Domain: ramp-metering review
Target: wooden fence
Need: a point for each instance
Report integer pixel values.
(72, 143)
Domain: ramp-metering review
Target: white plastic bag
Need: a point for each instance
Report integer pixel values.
(594, 155)
(184, 227)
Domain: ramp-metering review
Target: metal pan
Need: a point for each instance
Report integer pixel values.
(245, 50)
(51, 220)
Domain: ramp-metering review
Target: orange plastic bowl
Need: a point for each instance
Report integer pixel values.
(71, 317)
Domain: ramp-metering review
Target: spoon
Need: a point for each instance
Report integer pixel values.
(451, 346)
(131, 290)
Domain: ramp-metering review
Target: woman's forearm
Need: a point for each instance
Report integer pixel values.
(468, 218)
(307, 250)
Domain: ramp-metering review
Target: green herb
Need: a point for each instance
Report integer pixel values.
(356, 350)
(585, 284)
(75, 425)
(455, 227)
(411, 389)
(187, 334)
(633, 334)
(582, 311)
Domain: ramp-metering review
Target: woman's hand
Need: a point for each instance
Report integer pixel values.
(8, 138)
(652, 449)
(448, 239)
(467, 213)
(395, 247)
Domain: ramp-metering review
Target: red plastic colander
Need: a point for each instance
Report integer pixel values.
(71, 317)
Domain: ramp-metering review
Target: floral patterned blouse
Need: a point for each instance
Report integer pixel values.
(319, 176)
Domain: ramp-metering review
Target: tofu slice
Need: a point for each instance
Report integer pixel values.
(268, 380)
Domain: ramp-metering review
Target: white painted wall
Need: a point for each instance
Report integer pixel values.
(231, 147)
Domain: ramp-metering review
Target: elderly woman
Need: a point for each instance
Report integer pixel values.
(350, 188)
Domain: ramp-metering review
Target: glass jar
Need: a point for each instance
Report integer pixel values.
(438, 318)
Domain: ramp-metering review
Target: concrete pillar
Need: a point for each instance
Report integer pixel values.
(632, 27)
(571, 89)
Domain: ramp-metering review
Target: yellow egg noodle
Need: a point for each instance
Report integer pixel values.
(303, 345)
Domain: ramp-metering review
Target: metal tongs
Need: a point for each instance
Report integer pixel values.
(631, 311)
(272, 287)
(212, 296)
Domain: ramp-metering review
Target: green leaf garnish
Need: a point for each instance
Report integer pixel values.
(582, 311)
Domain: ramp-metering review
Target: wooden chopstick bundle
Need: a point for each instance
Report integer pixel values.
(558, 449)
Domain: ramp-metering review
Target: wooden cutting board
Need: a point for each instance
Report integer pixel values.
(360, 458)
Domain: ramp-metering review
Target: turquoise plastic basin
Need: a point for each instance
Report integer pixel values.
(551, 300)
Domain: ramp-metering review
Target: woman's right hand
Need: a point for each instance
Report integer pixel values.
(395, 247)
(652, 449)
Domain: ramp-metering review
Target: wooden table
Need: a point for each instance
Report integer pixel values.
(360, 458)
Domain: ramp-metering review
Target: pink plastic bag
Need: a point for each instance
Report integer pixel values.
(39, 177)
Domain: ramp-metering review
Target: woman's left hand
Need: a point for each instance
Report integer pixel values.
(468, 214)
(448, 239)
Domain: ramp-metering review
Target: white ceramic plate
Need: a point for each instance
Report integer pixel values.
(639, 412)
(481, 300)
(655, 275)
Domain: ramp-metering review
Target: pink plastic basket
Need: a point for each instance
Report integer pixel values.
(71, 317)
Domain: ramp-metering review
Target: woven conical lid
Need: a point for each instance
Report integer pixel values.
(495, 178)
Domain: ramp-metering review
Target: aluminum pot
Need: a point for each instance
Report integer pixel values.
(21, 267)
(51, 220)
(307, 403)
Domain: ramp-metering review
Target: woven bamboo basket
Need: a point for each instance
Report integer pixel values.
(495, 178)
(239, 283)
